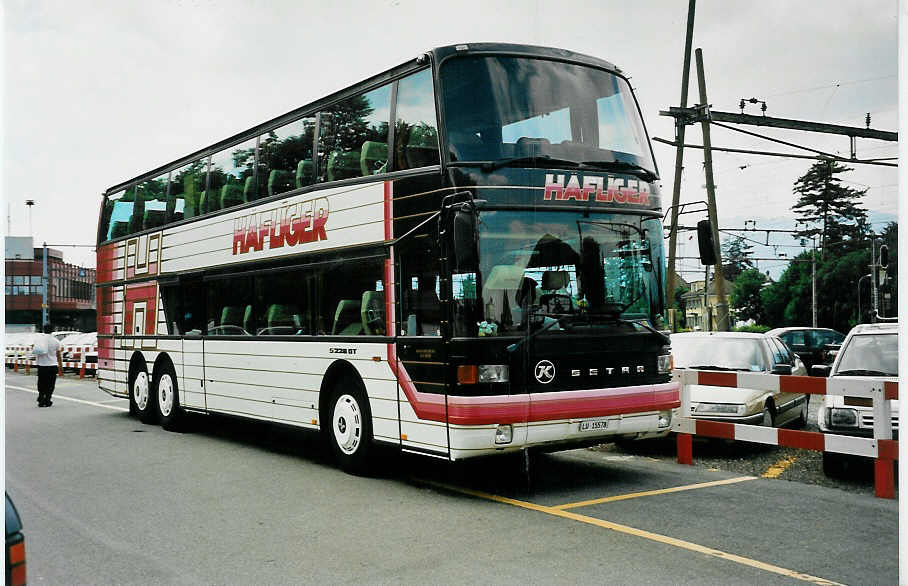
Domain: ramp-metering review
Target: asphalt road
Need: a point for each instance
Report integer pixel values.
(108, 500)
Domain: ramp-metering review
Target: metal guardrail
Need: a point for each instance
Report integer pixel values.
(881, 446)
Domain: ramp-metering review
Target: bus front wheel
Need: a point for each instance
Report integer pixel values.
(350, 434)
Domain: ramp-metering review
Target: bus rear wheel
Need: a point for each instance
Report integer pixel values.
(168, 399)
(350, 433)
(141, 399)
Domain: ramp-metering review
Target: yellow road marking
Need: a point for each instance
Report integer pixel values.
(638, 533)
(779, 467)
(634, 495)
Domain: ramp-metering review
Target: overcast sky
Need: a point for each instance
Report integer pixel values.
(96, 92)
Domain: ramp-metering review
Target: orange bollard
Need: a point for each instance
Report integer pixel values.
(59, 370)
(28, 366)
(82, 371)
(16, 364)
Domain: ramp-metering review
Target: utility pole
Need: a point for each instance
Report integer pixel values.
(718, 278)
(679, 160)
(45, 281)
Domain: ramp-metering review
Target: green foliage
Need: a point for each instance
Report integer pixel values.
(746, 295)
(754, 329)
(736, 255)
(831, 210)
(679, 304)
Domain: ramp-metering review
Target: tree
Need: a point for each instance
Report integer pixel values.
(736, 253)
(829, 209)
(746, 295)
(680, 306)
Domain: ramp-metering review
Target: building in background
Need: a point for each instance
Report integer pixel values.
(699, 306)
(71, 296)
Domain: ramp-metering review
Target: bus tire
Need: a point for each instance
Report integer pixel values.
(141, 399)
(167, 396)
(350, 421)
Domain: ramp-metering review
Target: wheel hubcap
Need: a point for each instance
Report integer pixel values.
(165, 394)
(347, 424)
(140, 391)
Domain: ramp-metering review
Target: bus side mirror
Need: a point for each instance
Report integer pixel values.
(820, 370)
(465, 238)
(706, 243)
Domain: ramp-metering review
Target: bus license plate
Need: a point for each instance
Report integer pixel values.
(594, 425)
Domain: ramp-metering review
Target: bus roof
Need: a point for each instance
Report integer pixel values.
(437, 55)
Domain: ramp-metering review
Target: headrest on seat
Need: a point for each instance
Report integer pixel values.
(552, 280)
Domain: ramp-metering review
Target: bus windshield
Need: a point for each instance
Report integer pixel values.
(538, 266)
(501, 109)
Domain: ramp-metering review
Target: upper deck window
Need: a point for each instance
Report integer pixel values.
(510, 107)
(353, 136)
(416, 136)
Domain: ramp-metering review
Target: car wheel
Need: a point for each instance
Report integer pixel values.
(350, 435)
(168, 399)
(141, 399)
(769, 418)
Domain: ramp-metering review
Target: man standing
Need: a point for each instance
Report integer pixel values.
(46, 346)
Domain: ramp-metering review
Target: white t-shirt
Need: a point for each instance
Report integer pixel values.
(46, 347)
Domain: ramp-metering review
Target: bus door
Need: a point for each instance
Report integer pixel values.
(421, 352)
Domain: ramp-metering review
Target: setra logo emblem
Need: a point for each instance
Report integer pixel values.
(545, 371)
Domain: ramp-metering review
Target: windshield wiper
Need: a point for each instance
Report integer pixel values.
(530, 336)
(714, 367)
(616, 315)
(862, 372)
(547, 159)
(632, 168)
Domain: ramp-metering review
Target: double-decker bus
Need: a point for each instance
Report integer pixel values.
(460, 256)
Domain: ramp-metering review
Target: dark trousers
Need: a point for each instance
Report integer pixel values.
(47, 379)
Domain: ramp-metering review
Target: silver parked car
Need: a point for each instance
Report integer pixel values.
(741, 352)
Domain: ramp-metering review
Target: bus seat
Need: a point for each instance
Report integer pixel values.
(137, 219)
(207, 204)
(231, 315)
(279, 181)
(247, 319)
(343, 165)
(282, 320)
(420, 156)
(119, 229)
(373, 313)
(554, 280)
(231, 195)
(347, 318)
(373, 158)
(249, 189)
(305, 173)
(154, 218)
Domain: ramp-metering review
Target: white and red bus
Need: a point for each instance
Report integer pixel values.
(459, 256)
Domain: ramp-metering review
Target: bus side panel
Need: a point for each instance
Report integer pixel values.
(192, 377)
(346, 216)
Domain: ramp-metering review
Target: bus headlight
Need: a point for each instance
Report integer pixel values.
(664, 363)
(504, 433)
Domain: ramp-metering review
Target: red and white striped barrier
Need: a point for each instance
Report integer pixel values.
(22, 358)
(881, 446)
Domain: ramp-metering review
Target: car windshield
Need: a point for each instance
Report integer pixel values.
(870, 355)
(715, 353)
(499, 108)
(543, 265)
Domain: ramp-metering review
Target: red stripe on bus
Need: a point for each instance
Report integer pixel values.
(891, 389)
(428, 406)
(562, 405)
(887, 449)
(717, 379)
(715, 429)
(806, 440)
(812, 385)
